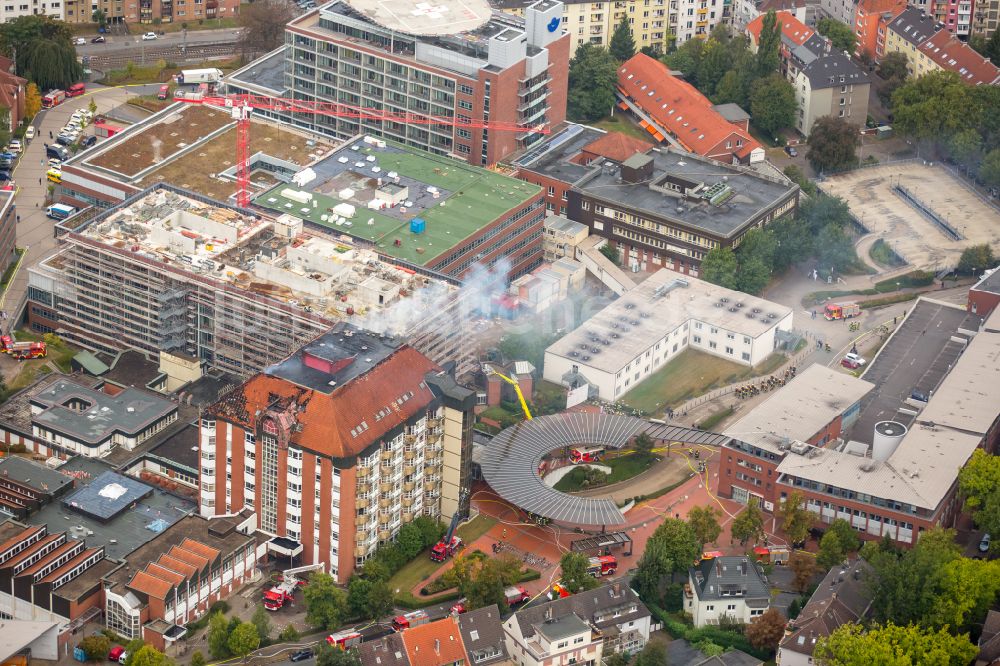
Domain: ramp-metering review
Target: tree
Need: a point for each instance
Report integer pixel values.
(979, 480)
(32, 101)
(831, 551)
(892, 645)
(894, 66)
(730, 89)
(96, 646)
(132, 650)
(793, 242)
(748, 524)
(611, 252)
(966, 588)
(933, 106)
(380, 601)
(643, 444)
(989, 169)
(617, 659)
(327, 655)
(821, 211)
(288, 635)
(832, 144)
(772, 104)
(488, 584)
(992, 48)
(574, 574)
(197, 659)
(593, 73)
(326, 604)
(965, 146)
(100, 18)
(218, 635)
(430, 529)
(765, 631)
(687, 58)
(652, 570)
(410, 540)
(244, 640)
(848, 537)
(654, 654)
(720, 267)
(839, 34)
(796, 519)
(679, 543)
(264, 23)
(704, 521)
(804, 569)
(148, 655)
(974, 259)
(768, 44)
(835, 248)
(50, 63)
(715, 62)
(753, 276)
(460, 575)
(261, 620)
(622, 45)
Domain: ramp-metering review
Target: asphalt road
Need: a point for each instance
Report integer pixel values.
(134, 43)
(34, 230)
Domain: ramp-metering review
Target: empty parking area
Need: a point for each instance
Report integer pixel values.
(917, 357)
(911, 233)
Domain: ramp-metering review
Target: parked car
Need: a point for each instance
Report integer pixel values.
(791, 151)
(5, 176)
(148, 36)
(849, 364)
(98, 40)
(116, 653)
(29, 133)
(302, 655)
(164, 91)
(88, 141)
(984, 545)
(55, 164)
(57, 152)
(856, 358)
(66, 139)
(14, 146)
(79, 41)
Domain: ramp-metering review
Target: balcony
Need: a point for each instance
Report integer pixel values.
(410, 439)
(435, 422)
(408, 516)
(383, 519)
(361, 503)
(409, 454)
(433, 437)
(384, 503)
(363, 472)
(409, 469)
(385, 487)
(384, 535)
(407, 501)
(364, 488)
(386, 455)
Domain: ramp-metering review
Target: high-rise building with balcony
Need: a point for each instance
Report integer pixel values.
(500, 69)
(338, 446)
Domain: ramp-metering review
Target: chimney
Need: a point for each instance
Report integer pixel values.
(548, 613)
(437, 645)
(617, 588)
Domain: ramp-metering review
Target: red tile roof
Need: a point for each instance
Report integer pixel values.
(326, 420)
(793, 29)
(617, 146)
(44, 542)
(155, 570)
(435, 644)
(50, 556)
(956, 56)
(679, 107)
(20, 536)
(154, 587)
(68, 566)
(188, 556)
(198, 547)
(185, 568)
(879, 6)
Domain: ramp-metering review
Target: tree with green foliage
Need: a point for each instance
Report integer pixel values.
(965, 146)
(262, 621)
(748, 525)
(765, 631)
(198, 659)
(326, 604)
(376, 569)
(768, 44)
(460, 574)
(132, 649)
(979, 480)
(966, 588)
(100, 18)
(772, 104)
(730, 89)
(622, 44)
(410, 540)
(96, 646)
(840, 34)
(244, 640)
(430, 529)
(804, 569)
(892, 645)
(793, 243)
(848, 536)
(833, 144)
(704, 522)
(147, 655)
(327, 655)
(573, 573)
(933, 106)
(796, 519)
(612, 253)
(686, 58)
(617, 659)
(679, 544)
(753, 276)
(895, 65)
(798, 176)
(652, 572)
(715, 62)
(654, 654)
(835, 249)
(989, 168)
(218, 635)
(288, 635)
(593, 73)
(831, 551)
(992, 48)
(720, 267)
(821, 211)
(44, 48)
(489, 582)
(642, 444)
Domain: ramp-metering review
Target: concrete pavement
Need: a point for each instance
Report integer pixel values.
(34, 230)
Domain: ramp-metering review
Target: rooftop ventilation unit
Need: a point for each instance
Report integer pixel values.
(734, 309)
(739, 304)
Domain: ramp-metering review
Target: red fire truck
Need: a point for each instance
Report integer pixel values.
(835, 311)
(606, 565)
(344, 640)
(284, 591)
(449, 545)
(22, 350)
(409, 620)
(516, 594)
(586, 454)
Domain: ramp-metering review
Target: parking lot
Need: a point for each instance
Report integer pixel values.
(916, 357)
(910, 233)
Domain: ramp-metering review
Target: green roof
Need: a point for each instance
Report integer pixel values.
(477, 197)
(90, 363)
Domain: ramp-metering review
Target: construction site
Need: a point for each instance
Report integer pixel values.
(166, 271)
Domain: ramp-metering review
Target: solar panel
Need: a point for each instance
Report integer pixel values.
(107, 495)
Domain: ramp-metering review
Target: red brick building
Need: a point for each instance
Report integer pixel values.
(984, 296)
(337, 446)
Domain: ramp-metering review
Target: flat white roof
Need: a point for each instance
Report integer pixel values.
(801, 408)
(426, 17)
(663, 302)
(969, 397)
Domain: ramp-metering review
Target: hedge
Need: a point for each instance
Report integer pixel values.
(407, 600)
(721, 637)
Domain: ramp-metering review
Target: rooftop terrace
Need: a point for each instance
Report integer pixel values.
(350, 193)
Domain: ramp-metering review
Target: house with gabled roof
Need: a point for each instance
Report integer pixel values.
(731, 587)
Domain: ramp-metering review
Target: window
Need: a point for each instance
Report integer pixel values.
(746, 356)
(729, 350)
(464, 89)
(462, 148)
(462, 104)
(697, 339)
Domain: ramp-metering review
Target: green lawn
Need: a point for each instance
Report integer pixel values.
(422, 566)
(691, 374)
(620, 122)
(622, 469)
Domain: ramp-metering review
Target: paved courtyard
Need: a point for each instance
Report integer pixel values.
(912, 234)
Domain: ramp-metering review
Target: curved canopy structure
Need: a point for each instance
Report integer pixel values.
(510, 464)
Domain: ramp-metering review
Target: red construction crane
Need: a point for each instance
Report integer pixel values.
(241, 107)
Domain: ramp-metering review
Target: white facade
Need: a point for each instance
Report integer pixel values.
(709, 611)
(12, 9)
(580, 647)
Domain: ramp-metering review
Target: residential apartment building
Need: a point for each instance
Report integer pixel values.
(470, 639)
(176, 577)
(826, 82)
(674, 111)
(338, 445)
(841, 10)
(150, 11)
(8, 230)
(561, 237)
(957, 16)
(870, 19)
(929, 47)
(986, 17)
(506, 70)
(12, 9)
(734, 588)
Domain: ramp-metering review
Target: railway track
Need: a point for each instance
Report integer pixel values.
(150, 55)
